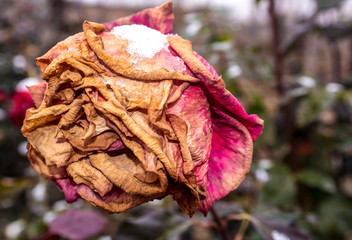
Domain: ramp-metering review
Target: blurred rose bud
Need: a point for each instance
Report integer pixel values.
(22, 99)
(131, 113)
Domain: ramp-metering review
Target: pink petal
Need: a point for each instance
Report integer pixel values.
(67, 186)
(230, 158)
(193, 108)
(159, 18)
(223, 100)
(233, 129)
(37, 93)
(117, 145)
(233, 133)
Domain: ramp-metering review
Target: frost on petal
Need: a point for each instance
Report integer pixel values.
(159, 18)
(233, 129)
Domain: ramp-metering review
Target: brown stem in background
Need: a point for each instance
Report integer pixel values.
(350, 60)
(57, 8)
(276, 43)
(289, 113)
(336, 61)
(221, 224)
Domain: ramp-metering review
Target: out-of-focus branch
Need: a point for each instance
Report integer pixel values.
(336, 61)
(57, 8)
(290, 42)
(221, 223)
(276, 42)
(350, 61)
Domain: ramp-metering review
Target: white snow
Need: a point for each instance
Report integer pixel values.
(143, 42)
(279, 236)
(14, 229)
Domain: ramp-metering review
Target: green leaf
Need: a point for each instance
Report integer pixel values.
(316, 180)
(257, 1)
(280, 189)
(11, 187)
(327, 4)
(312, 105)
(335, 217)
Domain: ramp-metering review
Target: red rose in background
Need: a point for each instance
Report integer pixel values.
(23, 99)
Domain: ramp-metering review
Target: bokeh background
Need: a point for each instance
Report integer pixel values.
(289, 61)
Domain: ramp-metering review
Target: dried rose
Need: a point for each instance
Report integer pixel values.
(132, 113)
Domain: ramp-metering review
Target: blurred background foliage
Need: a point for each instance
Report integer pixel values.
(288, 62)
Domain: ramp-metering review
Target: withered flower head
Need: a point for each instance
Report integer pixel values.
(131, 113)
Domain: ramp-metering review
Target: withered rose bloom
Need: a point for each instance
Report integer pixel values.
(131, 113)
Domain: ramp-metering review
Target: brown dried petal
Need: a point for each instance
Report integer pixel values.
(65, 96)
(75, 135)
(83, 172)
(180, 128)
(121, 169)
(95, 119)
(72, 114)
(113, 106)
(54, 151)
(114, 202)
(36, 118)
(186, 199)
(38, 163)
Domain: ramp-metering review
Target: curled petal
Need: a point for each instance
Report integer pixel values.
(233, 129)
(75, 136)
(124, 171)
(219, 96)
(38, 163)
(68, 187)
(229, 161)
(55, 151)
(83, 172)
(114, 202)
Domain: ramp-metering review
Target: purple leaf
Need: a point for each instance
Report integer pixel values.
(78, 225)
